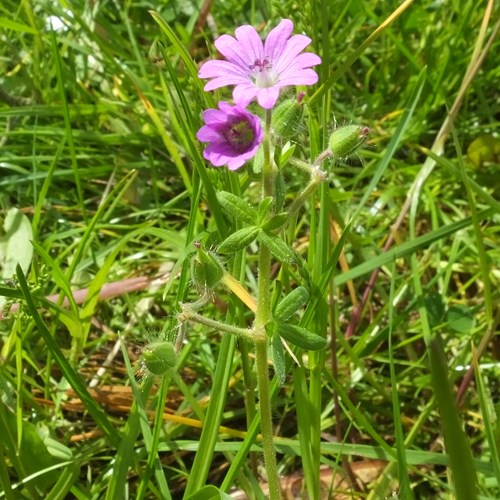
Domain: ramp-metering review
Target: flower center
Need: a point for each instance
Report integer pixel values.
(262, 74)
(239, 135)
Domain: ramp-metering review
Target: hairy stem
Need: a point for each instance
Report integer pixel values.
(262, 317)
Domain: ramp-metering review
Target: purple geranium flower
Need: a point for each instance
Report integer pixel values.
(260, 70)
(234, 135)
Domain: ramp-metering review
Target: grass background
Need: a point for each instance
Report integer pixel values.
(100, 169)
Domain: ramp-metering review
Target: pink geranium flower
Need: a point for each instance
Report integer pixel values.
(260, 70)
(234, 135)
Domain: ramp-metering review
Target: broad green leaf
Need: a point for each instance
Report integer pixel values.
(484, 149)
(460, 318)
(278, 356)
(275, 222)
(277, 247)
(435, 308)
(291, 304)
(31, 455)
(238, 240)
(264, 207)
(301, 337)
(15, 243)
(236, 208)
(209, 493)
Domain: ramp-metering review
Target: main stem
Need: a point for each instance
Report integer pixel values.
(262, 317)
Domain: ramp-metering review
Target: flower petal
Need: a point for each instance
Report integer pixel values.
(244, 93)
(276, 41)
(235, 163)
(250, 42)
(293, 48)
(208, 134)
(216, 68)
(222, 81)
(267, 97)
(211, 116)
(301, 77)
(232, 50)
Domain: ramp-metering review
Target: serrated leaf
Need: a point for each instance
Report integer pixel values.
(291, 304)
(239, 240)
(277, 247)
(236, 208)
(301, 337)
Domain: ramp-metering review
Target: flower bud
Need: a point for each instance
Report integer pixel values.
(347, 140)
(159, 357)
(287, 117)
(206, 269)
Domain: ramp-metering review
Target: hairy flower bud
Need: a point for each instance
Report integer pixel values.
(206, 269)
(287, 117)
(347, 140)
(159, 357)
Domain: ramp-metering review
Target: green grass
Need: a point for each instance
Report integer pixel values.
(100, 169)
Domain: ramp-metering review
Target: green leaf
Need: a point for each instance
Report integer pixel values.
(280, 191)
(15, 243)
(286, 153)
(275, 222)
(30, 455)
(291, 304)
(209, 493)
(236, 208)
(484, 149)
(73, 378)
(278, 355)
(301, 337)
(239, 240)
(435, 308)
(264, 207)
(277, 247)
(460, 318)
(15, 26)
(455, 440)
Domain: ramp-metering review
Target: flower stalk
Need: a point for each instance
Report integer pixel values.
(262, 317)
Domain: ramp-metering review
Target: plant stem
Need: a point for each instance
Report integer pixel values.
(262, 317)
(266, 423)
(187, 314)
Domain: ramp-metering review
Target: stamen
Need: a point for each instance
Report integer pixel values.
(262, 65)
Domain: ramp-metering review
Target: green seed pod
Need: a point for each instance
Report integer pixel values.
(159, 357)
(206, 269)
(301, 337)
(287, 118)
(346, 141)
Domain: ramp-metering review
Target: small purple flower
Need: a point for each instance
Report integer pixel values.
(259, 70)
(234, 135)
